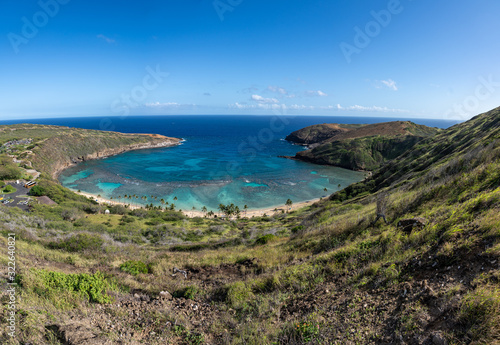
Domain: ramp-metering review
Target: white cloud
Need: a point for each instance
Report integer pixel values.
(337, 107)
(277, 89)
(372, 108)
(391, 84)
(263, 100)
(317, 93)
(107, 39)
(265, 106)
(162, 105)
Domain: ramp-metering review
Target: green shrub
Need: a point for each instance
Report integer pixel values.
(92, 208)
(307, 331)
(193, 236)
(298, 278)
(71, 214)
(37, 191)
(134, 267)
(190, 247)
(265, 239)
(189, 292)
(91, 287)
(9, 189)
(118, 209)
(78, 243)
(238, 294)
(139, 212)
(60, 225)
(83, 222)
(154, 221)
(127, 219)
(171, 216)
(197, 220)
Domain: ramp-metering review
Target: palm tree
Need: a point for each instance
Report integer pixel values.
(204, 210)
(326, 190)
(221, 208)
(289, 203)
(175, 198)
(245, 208)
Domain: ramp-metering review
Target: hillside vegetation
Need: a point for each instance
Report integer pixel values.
(365, 147)
(331, 273)
(53, 148)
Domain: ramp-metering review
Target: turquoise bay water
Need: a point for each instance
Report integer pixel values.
(223, 160)
(165, 174)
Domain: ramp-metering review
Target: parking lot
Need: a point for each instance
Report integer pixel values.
(17, 199)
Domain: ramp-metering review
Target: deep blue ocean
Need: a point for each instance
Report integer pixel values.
(224, 159)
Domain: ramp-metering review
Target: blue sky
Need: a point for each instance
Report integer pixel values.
(408, 58)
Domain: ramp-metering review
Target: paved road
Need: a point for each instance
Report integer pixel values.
(21, 191)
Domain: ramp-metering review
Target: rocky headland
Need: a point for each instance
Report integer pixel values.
(358, 147)
(55, 148)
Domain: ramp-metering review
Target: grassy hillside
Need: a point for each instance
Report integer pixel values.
(331, 273)
(53, 148)
(366, 147)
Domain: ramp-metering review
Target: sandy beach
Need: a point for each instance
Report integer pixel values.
(197, 213)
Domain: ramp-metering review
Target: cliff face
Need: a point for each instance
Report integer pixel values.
(365, 147)
(56, 148)
(367, 153)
